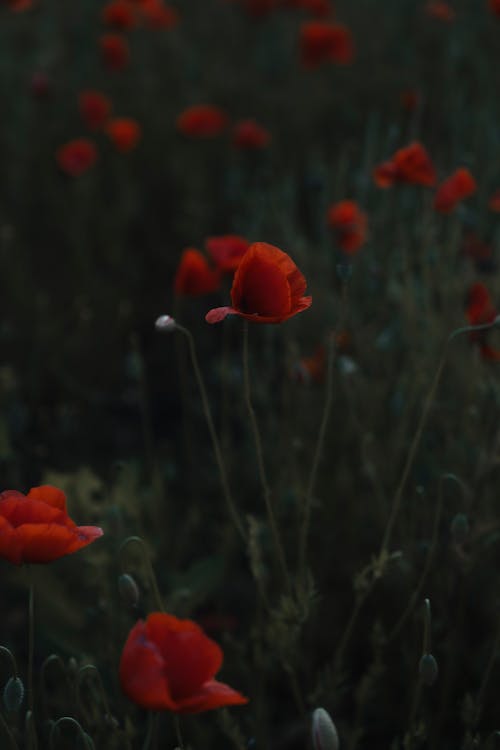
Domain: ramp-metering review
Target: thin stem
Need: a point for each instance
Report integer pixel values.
(213, 434)
(31, 642)
(178, 733)
(147, 559)
(260, 462)
(339, 656)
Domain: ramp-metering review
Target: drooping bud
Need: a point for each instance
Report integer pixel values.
(460, 528)
(428, 669)
(13, 694)
(165, 324)
(129, 590)
(323, 731)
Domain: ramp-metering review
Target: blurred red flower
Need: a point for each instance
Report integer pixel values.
(311, 369)
(259, 8)
(95, 108)
(267, 287)
(441, 11)
(169, 664)
(322, 42)
(249, 135)
(18, 6)
(411, 164)
(76, 157)
(115, 51)
(157, 15)
(125, 133)
(494, 6)
(481, 310)
(36, 528)
(121, 14)
(494, 202)
(202, 121)
(226, 251)
(457, 187)
(350, 225)
(194, 276)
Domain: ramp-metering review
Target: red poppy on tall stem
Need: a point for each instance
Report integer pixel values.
(322, 42)
(267, 287)
(194, 276)
(115, 51)
(248, 135)
(460, 185)
(227, 251)
(168, 664)
(349, 223)
(202, 121)
(124, 132)
(76, 157)
(411, 164)
(95, 108)
(36, 528)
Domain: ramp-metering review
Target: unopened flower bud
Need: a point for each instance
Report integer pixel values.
(129, 590)
(428, 669)
(460, 528)
(165, 324)
(324, 733)
(13, 694)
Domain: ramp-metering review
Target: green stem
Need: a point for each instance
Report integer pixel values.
(31, 642)
(6, 728)
(178, 733)
(147, 559)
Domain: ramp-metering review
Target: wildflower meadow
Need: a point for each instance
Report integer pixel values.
(249, 375)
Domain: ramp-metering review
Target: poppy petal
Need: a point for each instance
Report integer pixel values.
(50, 495)
(141, 672)
(217, 314)
(212, 695)
(45, 542)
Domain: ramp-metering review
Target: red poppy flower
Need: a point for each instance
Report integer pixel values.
(227, 251)
(169, 664)
(36, 528)
(115, 51)
(441, 11)
(249, 135)
(349, 224)
(76, 157)
(95, 108)
(494, 202)
(121, 14)
(157, 15)
(125, 133)
(494, 6)
(322, 42)
(267, 287)
(457, 187)
(202, 121)
(194, 276)
(411, 164)
(481, 310)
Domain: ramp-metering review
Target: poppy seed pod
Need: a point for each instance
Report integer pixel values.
(129, 590)
(428, 669)
(323, 731)
(13, 694)
(165, 324)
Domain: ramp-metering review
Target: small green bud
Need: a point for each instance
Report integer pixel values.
(428, 669)
(460, 528)
(13, 694)
(129, 590)
(323, 731)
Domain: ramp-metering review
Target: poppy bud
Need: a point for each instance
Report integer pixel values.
(13, 694)
(165, 324)
(460, 528)
(129, 591)
(428, 669)
(324, 733)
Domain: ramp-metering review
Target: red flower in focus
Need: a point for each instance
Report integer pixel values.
(441, 11)
(322, 42)
(494, 6)
(36, 528)
(411, 164)
(227, 251)
(76, 157)
(157, 15)
(115, 51)
(480, 310)
(202, 121)
(194, 276)
(318, 8)
(349, 224)
(249, 135)
(125, 133)
(121, 14)
(95, 108)
(457, 187)
(267, 287)
(169, 664)
(494, 202)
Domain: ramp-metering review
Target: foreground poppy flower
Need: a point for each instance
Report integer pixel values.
(480, 310)
(36, 528)
(267, 287)
(322, 42)
(120, 14)
(125, 133)
(115, 51)
(202, 121)
(194, 276)
(411, 164)
(349, 224)
(76, 157)
(95, 108)
(457, 187)
(226, 251)
(249, 135)
(494, 202)
(441, 11)
(169, 664)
